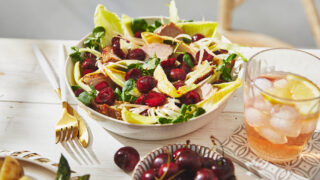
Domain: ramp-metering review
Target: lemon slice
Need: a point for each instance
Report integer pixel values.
(300, 89)
(214, 100)
(137, 118)
(296, 88)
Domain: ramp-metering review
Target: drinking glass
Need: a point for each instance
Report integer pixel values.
(281, 102)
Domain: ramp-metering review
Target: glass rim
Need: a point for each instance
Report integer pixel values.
(272, 95)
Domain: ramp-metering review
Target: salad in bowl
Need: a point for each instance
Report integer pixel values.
(152, 71)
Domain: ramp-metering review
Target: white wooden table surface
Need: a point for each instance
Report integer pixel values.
(29, 109)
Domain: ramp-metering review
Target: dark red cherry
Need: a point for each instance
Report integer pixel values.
(169, 63)
(178, 151)
(197, 37)
(154, 99)
(205, 57)
(105, 96)
(185, 67)
(138, 34)
(146, 83)
(208, 162)
(159, 160)
(115, 40)
(101, 85)
(78, 91)
(133, 73)
(149, 174)
(223, 168)
(177, 74)
(178, 84)
(89, 64)
(169, 168)
(87, 71)
(89, 55)
(185, 175)
(126, 158)
(189, 160)
(192, 97)
(140, 99)
(116, 49)
(138, 54)
(205, 174)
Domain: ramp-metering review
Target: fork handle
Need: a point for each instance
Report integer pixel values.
(62, 57)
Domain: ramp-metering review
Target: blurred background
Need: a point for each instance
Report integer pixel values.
(285, 20)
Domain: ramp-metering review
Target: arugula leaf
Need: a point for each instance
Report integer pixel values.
(169, 42)
(163, 120)
(225, 69)
(75, 87)
(128, 85)
(186, 40)
(76, 54)
(85, 98)
(199, 112)
(142, 25)
(187, 59)
(186, 112)
(63, 169)
(139, 25)
(150, 65)
(230, 58)
(118, 92)
(125, 95)
(95, 41)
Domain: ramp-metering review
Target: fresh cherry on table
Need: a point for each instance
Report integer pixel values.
(126, 158)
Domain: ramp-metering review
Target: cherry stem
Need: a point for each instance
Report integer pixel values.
(213, 140)
(177, 174)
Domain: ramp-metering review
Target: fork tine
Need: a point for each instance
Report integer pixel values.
(74, 132)
(58, 135)
(63, 132)
(68, 133)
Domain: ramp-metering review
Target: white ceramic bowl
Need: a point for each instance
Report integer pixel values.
(145, 163)
(137, 131)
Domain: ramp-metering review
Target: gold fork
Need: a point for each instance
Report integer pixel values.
(67, 127)
(82, 134)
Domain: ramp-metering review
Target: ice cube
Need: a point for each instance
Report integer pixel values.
(263, 84)
(262, 104)
(280, 83)
(254, 117)
(286, 121)
(272, 135)
(308, 126)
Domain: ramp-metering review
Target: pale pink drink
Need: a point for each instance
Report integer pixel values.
(281, 102)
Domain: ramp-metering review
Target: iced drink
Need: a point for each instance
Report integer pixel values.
(281, 112)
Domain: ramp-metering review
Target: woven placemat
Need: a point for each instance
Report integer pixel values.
(306, 166)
